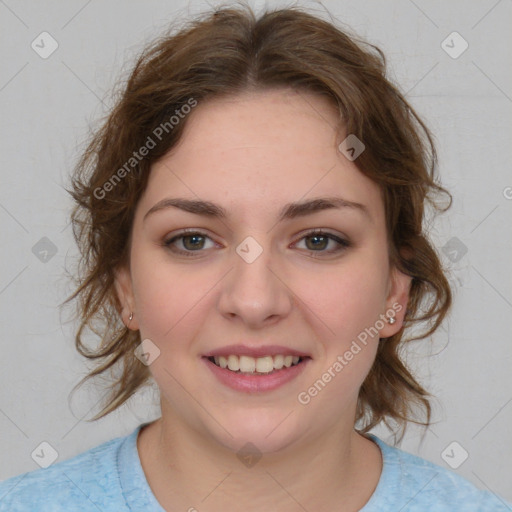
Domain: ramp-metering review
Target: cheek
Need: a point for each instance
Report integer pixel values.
(168, 298)
(345, 300)
(346, 307)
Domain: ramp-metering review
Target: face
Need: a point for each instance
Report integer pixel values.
(263, 278)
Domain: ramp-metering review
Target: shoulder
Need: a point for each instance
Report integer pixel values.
(84, 482)
(416, 485)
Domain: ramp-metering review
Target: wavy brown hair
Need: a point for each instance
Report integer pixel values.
(226, 52)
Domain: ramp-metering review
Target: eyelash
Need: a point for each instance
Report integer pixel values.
(342, 243)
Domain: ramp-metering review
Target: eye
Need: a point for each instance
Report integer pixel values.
(318, 241)
(191, 241)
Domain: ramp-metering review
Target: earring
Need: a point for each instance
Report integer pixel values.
(130, 318)
(391, 320)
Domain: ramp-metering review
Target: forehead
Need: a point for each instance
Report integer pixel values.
(280, 119)
(258, 151)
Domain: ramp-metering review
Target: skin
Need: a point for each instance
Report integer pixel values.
(251, 154)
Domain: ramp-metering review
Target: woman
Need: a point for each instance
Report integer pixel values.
(252, 211)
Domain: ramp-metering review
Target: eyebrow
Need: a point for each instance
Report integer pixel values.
(288, 212)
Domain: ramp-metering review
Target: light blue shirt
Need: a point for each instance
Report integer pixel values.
(110, 478)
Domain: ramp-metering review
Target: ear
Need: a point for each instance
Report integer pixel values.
(124, 291)
(396, 302)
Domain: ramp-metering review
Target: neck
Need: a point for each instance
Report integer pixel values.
(185, 470)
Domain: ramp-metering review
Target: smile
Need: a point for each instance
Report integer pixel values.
(255, 365)
(256, 374)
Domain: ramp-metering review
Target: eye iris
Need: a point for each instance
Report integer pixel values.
(193, 246)
(322, 245)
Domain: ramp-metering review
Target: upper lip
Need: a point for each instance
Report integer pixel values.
(260, 351)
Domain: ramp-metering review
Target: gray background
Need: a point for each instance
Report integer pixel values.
(47, 106)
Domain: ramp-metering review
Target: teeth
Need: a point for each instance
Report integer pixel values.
(278, 362)
(264, 364)
(233, 363)
(247, 364)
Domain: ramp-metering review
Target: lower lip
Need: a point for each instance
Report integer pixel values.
(256, 383)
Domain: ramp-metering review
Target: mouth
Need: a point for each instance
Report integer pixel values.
(266, 365)
(256, 368)
(255, 375)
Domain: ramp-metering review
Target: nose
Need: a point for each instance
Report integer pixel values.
(255, 292)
